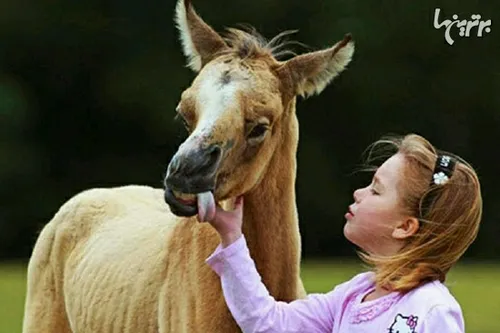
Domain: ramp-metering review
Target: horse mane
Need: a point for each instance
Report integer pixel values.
(248, 43)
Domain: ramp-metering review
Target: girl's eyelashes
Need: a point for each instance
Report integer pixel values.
(373, 191)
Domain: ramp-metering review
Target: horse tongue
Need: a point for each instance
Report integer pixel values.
(206, 206)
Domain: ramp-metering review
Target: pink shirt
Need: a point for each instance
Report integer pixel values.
(428, 309)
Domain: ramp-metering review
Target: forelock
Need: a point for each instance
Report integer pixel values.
(249, 43)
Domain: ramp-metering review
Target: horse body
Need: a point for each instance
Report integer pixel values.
(117, 260)
(121, 260)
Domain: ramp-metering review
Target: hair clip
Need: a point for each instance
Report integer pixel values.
(443, 169)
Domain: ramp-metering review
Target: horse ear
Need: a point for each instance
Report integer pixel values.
(199, 41)
(312, 72)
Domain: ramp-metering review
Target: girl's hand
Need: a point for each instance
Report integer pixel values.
(229, 223)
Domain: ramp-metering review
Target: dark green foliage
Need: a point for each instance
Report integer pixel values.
(88, 92)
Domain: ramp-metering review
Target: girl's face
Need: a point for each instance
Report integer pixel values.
(376, 212)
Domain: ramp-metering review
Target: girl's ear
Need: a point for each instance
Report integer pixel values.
(407, 228)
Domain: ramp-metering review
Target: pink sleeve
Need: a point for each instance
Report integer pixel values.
(254, 309)
(442, 318)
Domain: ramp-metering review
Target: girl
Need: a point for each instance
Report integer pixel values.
(412, 223)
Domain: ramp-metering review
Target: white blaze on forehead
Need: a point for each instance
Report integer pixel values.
(214, 98)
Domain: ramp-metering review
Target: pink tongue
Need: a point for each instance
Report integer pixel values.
(206, 206)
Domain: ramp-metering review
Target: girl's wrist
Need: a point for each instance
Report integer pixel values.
(230, 238)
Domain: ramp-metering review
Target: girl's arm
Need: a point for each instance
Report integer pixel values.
(251, 305)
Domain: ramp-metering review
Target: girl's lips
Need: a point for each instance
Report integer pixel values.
(349, 215)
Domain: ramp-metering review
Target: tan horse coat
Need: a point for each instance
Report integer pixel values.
(117, 260)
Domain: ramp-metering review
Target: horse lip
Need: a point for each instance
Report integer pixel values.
(188, 186)
(177, 207)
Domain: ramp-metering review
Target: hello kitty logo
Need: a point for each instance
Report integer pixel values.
(403, 324)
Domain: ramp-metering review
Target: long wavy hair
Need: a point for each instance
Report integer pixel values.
(449, 215)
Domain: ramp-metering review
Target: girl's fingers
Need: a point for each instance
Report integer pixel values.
(222, 216)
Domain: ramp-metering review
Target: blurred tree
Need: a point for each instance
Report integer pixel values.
(88, 92)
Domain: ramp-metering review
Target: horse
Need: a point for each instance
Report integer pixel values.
(132, 258)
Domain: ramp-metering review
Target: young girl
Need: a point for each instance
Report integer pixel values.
(413, 222)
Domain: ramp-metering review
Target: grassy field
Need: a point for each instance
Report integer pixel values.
(477, 287)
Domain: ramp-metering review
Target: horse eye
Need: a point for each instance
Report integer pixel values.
(180, 117)
(185, 123)
(257, 131)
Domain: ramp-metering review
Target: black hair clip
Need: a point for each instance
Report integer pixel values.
(445, 165)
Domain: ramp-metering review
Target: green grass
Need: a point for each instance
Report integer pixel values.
(12, 291)
(477, 288)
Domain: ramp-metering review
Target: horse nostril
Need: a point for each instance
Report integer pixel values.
(214, 153)
(196, 163)
(209, 159)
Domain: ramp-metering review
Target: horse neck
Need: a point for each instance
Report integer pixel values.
(270, 216)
